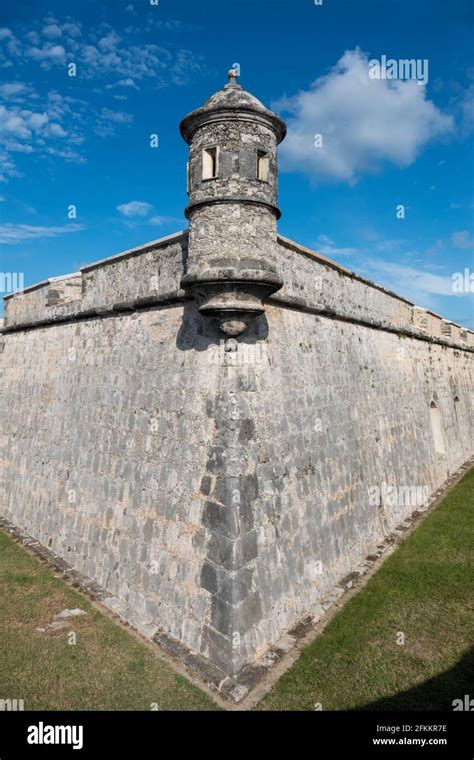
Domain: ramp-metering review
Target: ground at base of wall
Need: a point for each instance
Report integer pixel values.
(100, 667)
(404, 642)
(424, 591)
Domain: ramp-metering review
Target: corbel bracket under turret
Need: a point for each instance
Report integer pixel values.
(232, 292)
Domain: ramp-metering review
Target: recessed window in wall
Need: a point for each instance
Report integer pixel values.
(456, 408)
(209, 163)
(263, 165)
(437, 428)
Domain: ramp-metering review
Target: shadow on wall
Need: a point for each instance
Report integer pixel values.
(438, 693)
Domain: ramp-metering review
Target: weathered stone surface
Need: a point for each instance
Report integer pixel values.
(219, 490)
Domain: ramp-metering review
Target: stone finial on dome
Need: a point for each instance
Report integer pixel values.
(232, 75)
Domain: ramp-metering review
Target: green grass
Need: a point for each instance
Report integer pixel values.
(425, 590)
(107, 669)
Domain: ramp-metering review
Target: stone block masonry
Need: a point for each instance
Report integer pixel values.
(199, 425)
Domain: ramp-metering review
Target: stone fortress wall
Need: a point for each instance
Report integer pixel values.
(217, 427)
(219, 488)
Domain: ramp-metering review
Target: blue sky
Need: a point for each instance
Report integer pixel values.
(85, 140)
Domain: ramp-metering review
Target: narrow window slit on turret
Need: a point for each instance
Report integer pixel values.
(262, 165)
(209, 163)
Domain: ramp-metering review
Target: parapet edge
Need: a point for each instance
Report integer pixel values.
(135, 281)
(415, 321)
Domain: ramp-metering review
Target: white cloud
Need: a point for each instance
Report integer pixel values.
(124, 83)
(13, 125)
(327, 247)
(333, 251)
(159, 221)
(21, 124)
(7, 167)
(467, 110)
(52, 31)
(364, 123)
(57, 131)
(436, 248)
(33, 38)
(109, 119)
(10, 47)
(73, 29)
(419, 286)
(23, 130)
(56, 118)
(101, 53)
(141, 212)
(325, 240)
(48, 54)
(17, 233)
(387, 246)
(119, 117)
(109, 42)
(11, 90)
(135, 208)
(68, 154)
(462, 240)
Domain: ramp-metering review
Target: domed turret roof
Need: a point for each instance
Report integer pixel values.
(232, 97)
